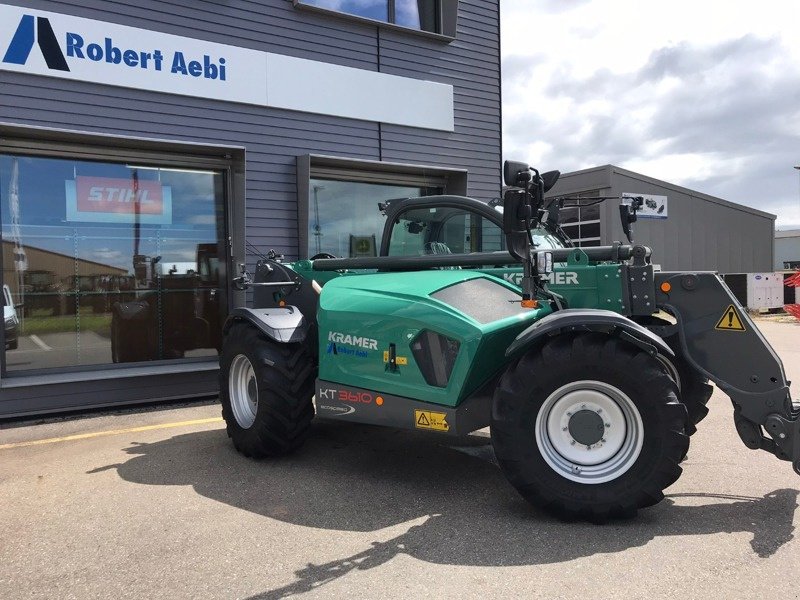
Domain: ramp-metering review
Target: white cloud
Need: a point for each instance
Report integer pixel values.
(702, 94)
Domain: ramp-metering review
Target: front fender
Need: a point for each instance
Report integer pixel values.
(284, 325)
(589, 319)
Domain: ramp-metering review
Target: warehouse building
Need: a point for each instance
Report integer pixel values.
(148, 148)
(787, 249)
(686, 229)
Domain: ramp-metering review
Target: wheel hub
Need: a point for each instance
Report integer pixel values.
(586, 427)
(589, 431)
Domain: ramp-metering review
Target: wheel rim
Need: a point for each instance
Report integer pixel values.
(589, 431)
(243, 391)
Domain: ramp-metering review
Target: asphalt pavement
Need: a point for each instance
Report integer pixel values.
(158, 504)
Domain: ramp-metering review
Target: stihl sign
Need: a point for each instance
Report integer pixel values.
(107, 200)
(120, 196)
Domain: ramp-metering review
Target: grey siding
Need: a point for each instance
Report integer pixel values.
(702, 233)
(274, 138)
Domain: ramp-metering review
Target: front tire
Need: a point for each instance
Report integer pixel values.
(589, 427)
(266, 390)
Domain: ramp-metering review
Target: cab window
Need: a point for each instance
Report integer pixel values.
(443, 230)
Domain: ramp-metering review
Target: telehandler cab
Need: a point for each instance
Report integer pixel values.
(590, 368)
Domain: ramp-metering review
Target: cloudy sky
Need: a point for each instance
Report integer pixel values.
(705, 94)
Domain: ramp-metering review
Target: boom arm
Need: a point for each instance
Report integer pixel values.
(719, 339)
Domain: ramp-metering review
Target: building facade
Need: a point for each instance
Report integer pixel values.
(787, 249)
(687, 230)
(149, 148)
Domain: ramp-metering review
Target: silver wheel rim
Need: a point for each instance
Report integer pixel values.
(243, 391)
(573, 416)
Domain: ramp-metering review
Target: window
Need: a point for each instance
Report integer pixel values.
(111, 262)
(582, 223)
(431, 16)
(344, 219)
(443, 230)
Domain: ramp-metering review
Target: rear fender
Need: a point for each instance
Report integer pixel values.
(587, 319)
(285, 325)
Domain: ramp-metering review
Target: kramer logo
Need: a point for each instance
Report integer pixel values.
(81, 47)
(22, 43)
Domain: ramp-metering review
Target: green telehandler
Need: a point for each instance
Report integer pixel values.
(591, 369)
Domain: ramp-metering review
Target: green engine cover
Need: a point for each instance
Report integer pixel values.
(447, 331)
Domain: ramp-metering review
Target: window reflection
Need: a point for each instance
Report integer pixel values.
(415, 14)
(371, 9)
(110, 262)
(344, 219)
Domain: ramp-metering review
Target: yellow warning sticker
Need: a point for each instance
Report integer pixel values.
(427, 419)
(399, 360)
(730, 320)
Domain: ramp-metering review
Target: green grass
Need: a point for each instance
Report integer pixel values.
(41, 322)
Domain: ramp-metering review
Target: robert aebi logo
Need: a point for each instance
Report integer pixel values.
(38, 31)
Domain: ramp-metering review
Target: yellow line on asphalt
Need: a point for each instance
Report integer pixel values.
(94, 434)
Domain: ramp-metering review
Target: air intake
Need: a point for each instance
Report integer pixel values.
(435, 356)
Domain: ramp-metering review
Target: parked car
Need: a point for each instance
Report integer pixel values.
(11, 320)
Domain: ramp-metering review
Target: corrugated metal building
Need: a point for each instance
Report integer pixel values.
(787, 249)
(686, 229)
(154, 137)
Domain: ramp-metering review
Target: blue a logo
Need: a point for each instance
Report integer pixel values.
(22, 43)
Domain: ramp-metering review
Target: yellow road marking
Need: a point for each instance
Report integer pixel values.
(94, 434)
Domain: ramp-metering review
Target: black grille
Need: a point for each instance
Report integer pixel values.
(435, 355)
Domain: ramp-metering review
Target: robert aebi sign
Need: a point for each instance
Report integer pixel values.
(109, 53)
(57, 45)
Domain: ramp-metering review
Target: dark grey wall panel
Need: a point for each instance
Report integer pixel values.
(471, 65)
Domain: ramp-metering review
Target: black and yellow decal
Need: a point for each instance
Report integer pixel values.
(730, 320)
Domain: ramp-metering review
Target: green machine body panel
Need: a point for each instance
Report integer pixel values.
(383, 332)
(581, 283)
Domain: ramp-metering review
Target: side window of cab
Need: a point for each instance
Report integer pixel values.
(443, 230)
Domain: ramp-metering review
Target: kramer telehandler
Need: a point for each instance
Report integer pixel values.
(590, 367)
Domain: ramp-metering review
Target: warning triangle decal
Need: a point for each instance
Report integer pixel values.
(423, 420)
(730, 321)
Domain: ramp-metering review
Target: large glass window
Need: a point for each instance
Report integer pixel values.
(344, 219)
(422, 15)
(110, 262)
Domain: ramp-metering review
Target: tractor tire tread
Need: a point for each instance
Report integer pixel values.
(520, 459)
(285, 375)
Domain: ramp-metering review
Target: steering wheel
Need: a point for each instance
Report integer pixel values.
(323, 255)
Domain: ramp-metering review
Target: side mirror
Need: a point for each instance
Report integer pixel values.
(550, 179)
(516, 215)
(516, 174)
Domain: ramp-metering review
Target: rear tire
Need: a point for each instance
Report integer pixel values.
(547, 411)
(266, 390)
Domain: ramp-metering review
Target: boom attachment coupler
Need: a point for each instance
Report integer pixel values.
(718, 337)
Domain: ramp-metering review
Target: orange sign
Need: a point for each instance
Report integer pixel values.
(110, 200)
(119, 196)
